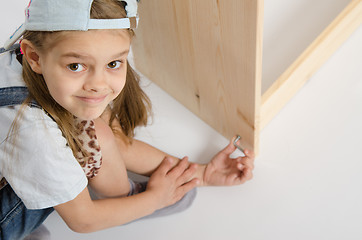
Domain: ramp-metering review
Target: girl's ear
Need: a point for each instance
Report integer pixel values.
(31, 55)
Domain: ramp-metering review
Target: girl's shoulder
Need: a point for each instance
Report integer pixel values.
(31, 120)
(41, 159)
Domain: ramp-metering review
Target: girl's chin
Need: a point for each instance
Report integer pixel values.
(88, 116)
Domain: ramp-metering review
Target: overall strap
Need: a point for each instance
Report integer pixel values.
(12, 48)
(11, 96)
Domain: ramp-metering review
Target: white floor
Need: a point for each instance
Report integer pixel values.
(308, 176)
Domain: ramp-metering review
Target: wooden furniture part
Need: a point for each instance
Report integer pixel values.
(296, 75)
(207, 54)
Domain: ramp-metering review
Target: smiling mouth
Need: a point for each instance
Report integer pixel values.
(92, 99)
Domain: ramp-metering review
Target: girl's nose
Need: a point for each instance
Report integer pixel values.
(96, 82)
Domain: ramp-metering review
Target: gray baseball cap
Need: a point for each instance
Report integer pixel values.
(69, 15)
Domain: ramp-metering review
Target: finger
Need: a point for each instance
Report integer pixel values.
(240, 177)
(165, 166)
(248, 162)
(185, 188)
(179, 169)
(240, 166)
(232, 179)
(237, 163)
(187, 175)
(246, 176)
(249, 153)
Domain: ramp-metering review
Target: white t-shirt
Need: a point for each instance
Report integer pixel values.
(36, 161)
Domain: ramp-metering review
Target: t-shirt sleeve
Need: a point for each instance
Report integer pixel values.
(38, 164)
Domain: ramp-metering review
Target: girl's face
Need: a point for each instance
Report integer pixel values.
(85, 71)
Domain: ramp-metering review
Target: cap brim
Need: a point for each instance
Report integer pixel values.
(15, 37)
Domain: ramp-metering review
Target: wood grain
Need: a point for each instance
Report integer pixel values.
(207, 55)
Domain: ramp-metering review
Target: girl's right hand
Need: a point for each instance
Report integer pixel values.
(170, 183)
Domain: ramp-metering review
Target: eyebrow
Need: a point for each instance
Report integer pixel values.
(84, 56)
(121, 53)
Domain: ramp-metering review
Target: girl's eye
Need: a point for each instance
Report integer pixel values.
(75, 67)
(114, 65)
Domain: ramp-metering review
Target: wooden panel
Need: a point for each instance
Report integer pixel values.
(289, 28)
(288, 84)
(207, 55)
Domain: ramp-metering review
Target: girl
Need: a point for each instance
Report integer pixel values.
(69, 105)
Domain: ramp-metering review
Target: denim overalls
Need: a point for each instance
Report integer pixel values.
(16, 221)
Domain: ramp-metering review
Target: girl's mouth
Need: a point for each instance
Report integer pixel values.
(92, 99)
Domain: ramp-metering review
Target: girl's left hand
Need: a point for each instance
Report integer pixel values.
(223, 170)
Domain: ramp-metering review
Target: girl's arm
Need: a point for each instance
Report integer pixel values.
(138, 157)
(84, 215)
(166, 186)
(112, 180)
(142, 158)
(222, 170)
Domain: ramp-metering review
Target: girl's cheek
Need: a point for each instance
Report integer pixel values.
(121, 84)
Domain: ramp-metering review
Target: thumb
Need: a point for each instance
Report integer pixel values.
(230, 148)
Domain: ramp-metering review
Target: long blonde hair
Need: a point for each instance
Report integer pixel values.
(130, 108)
